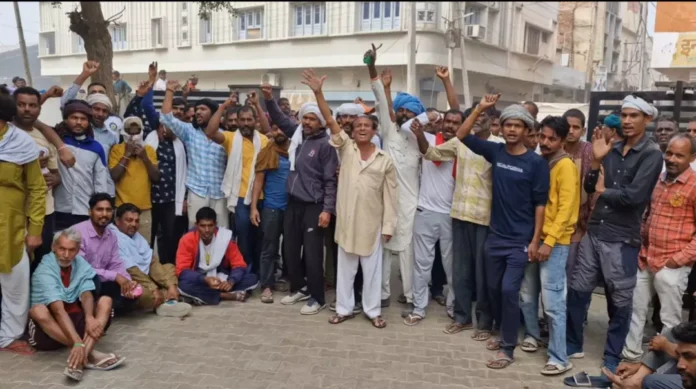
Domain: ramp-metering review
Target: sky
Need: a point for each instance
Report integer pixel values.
(30, 21)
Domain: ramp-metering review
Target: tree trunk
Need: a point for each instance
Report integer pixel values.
(90, 25)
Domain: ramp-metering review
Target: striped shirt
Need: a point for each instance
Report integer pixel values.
(670, 225)
(207, 160)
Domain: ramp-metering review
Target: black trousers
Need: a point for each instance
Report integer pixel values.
(66, 220)
(49, 229)
(121, 305)
(304, 248)
(167, 230)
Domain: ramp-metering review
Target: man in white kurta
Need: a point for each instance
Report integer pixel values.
(402, 147)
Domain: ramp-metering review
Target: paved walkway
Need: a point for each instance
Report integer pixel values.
(254, 345)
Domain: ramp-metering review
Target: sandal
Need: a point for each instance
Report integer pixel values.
(378, 322)
(19, 347)
(412, 319)
(338, 319)
(552, 369)
(238, 296)
(455, 328)
(440, 299)
(104, 365)
(500, 362)
(481, 335)
(493, 345)
(529, 345)
(74, 374)
(267, 296)
(402, 299)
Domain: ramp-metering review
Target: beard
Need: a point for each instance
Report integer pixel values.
(246, 131)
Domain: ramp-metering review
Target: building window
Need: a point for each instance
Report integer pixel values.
(310, 19)
(380, 15)
(47, 43)
(119, 37)
(157, 31)
(184, 21)
(476, 16)
(426, 12)
(78, 44)
(251, 24)
(184, 6)
(535, 40)
(206, 33)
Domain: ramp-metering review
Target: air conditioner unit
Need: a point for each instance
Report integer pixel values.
(476, 31)
(272, 79)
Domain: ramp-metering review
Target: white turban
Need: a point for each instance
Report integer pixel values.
(638, 103)
(99, 98)
(350, 109)
(310, 108)
(296, 139)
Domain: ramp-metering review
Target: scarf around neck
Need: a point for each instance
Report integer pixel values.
(232, 181)
(17, 147)
(47, 285)
(553, 160)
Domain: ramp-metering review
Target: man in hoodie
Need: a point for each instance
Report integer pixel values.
(403, 148)
(133, 167)
(207, 160)
(89, 174)
(546, 273)
(312, 200)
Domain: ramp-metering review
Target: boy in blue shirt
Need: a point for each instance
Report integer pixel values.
(520, 193)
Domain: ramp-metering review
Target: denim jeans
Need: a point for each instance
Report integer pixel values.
(248, 235)
(549, 278)
(272, 227)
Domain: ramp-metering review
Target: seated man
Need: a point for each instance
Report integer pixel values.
(669, 364)
(146, 269)
(209, 265)
(64, 311)
(99, 247)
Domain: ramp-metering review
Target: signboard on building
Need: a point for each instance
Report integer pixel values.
(674, 50)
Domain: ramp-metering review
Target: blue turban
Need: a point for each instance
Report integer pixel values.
(409, 102)
(612, 121)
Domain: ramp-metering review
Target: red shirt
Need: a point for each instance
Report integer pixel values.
(65, 277)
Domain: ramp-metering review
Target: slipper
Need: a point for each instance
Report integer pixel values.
(402, 299)
(267, 298)
(552, 369)
(74, 374)
(455, 328)
(481, 335)
(378, 322)
(412, 319)
(19, 347)
(529, 345)
(338, 319)
(595, 381)
(493, 345)
(440, 299)
(100, 364)
(498, 363)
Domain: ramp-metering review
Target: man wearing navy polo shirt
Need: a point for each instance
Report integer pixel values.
(520, 192)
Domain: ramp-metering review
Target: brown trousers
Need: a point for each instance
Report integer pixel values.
(160, 278)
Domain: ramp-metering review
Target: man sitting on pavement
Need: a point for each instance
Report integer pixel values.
(64, 312)
(209, 265)
(160, 285)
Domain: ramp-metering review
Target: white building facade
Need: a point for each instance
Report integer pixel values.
(509, 49)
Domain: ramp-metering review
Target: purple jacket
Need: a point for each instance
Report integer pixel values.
(314, 178)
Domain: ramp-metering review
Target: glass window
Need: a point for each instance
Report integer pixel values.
(375, 11)
(387, 9)
(317, 14)
(366, 10)
(299, 16)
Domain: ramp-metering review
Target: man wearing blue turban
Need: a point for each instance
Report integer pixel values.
(402, 147)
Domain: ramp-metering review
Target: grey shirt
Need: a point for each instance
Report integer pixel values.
(660, 360)
(629, 181)
(80, 182)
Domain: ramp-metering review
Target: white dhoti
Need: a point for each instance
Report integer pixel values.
(15, 301)
(372, 280)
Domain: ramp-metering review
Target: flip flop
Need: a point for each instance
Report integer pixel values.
(595, 382)
(19, 347)
(378, 322)
(338, 319)
(498, 363)
(455, 328)
(73, 374)
(412, 319)
(110, 357)
(481, 335)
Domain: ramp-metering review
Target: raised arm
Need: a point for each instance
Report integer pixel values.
(486, 102)
(213, 130)
(381, 101)
(386, 81)
(52, 92)
(277, 116)
(315, 83)
(443, 74)
(88, 69)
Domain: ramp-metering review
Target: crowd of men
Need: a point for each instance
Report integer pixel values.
(188, 205)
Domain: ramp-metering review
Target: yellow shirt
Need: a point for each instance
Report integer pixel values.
(473, 188)
(247, 158)
(52, 163)
(367, 197)
(563, 207)
(134, 185)
(19, 185)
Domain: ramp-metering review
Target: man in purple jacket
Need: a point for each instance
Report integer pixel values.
(311, 188)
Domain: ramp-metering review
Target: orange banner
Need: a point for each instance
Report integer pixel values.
(673, 16)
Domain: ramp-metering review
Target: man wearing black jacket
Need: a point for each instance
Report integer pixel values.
(311, 189)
